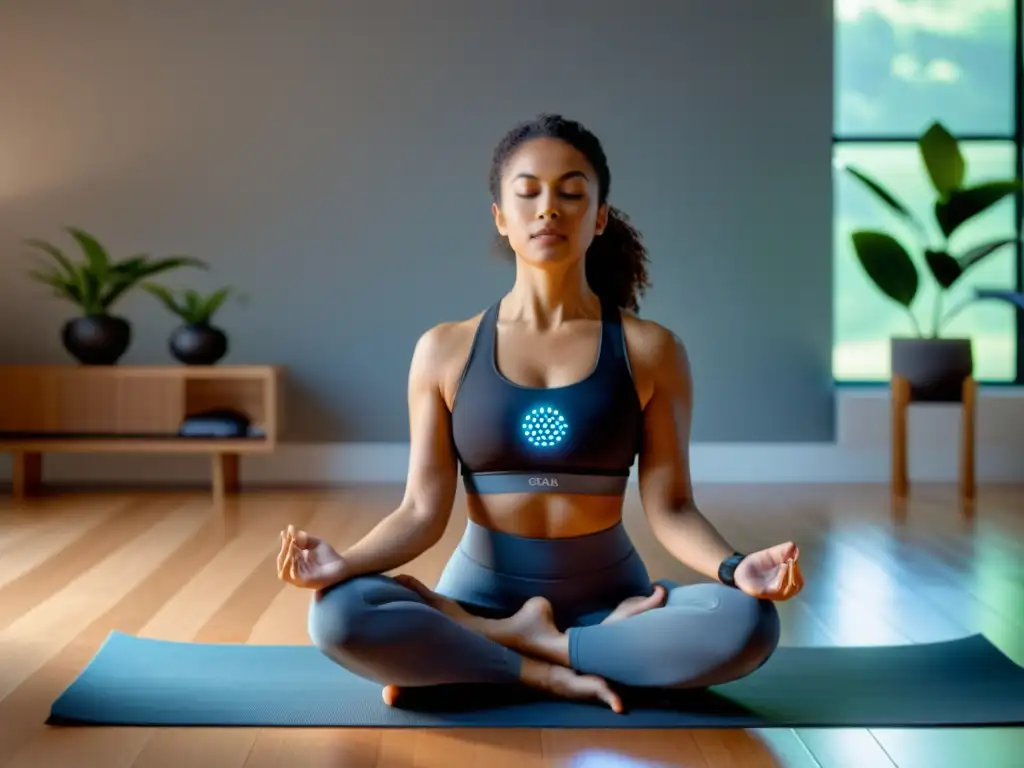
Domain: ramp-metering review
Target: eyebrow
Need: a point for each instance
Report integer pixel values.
(563, 177)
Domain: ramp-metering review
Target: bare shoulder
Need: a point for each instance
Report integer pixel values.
(657, 355)
(441, 352)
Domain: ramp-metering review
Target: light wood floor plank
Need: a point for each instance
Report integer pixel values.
(31, 545)
(29, 641)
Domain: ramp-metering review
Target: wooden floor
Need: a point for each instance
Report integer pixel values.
(75, 566)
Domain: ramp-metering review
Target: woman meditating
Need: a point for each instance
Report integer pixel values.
(544, 401)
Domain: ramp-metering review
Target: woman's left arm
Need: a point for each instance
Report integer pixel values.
(666, 491)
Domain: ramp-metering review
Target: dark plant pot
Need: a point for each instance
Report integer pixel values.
(97, 339)
(198, 344)
(935, 368)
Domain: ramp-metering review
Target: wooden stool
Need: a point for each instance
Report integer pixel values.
(902, 398)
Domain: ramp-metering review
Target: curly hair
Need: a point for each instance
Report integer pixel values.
(616, 261)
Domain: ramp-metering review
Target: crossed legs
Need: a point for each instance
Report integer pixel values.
(402, 634)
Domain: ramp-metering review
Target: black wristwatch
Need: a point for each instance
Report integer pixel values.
(728, 568)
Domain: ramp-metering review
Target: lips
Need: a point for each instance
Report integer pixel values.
(548, 234)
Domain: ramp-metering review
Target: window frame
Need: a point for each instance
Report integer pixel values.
(1016, 137)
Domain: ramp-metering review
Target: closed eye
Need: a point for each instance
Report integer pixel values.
(566, 195)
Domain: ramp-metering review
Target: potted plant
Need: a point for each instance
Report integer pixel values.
(94, 285)
(935, 366)
(196, 341)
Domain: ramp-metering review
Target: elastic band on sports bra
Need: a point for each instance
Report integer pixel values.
(546, 482)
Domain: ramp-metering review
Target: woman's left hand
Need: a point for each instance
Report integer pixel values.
(771, 574)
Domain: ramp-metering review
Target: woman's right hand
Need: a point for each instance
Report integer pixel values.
(308, 562)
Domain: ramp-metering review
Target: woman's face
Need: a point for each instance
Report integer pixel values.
(549, 202)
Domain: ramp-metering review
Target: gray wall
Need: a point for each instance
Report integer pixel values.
(331, 160)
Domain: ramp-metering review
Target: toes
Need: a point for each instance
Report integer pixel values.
(655, 600)
(417, 586)
(604, 693)
(539, 605)
(390, 694)
(408, 581)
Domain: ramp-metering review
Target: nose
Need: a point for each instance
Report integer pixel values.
(549, 213)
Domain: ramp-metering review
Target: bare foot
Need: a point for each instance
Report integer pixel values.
(633, 606)
(550, 678)
(567, 684)
(530, 631)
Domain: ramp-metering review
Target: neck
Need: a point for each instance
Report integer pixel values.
(551, 295)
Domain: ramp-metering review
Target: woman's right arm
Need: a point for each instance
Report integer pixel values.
(421, 518)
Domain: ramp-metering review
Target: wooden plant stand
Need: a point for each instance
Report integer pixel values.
(131, 409)
(902, 399)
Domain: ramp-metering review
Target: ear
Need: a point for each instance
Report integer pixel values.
(601, 222)
(499, 220)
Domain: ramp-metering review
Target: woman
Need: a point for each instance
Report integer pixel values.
(545, 588)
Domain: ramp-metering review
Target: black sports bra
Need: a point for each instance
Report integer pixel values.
(580, 438)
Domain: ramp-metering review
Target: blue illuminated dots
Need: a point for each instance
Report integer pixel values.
(544, 427)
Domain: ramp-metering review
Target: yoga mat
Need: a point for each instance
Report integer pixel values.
(133, 681)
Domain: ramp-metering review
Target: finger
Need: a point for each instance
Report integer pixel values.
(281, 555)
(796, 583)
(780, 578)
(296, 555)
(281, 562)
(286, 567)
(782, 583)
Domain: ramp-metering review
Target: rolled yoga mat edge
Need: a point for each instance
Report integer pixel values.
(152, 682)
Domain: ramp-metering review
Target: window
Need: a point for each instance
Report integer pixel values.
(900, 65)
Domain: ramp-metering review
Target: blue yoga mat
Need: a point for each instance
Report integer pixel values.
(134, 681)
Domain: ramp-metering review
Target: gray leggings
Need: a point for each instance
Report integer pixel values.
(706, 634)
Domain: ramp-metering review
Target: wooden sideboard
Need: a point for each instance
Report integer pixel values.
(132, 409)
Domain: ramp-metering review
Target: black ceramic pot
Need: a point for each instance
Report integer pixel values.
(97, 339)
(198, 344)
(935, 368)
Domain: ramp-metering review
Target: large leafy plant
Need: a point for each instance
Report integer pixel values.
(888, 262)
(97, 281)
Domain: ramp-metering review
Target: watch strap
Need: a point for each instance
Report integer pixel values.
(727, 568)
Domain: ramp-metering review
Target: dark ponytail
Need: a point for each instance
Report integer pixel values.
(617, 258)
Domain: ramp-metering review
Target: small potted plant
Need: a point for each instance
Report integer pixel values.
(935, 366)
(196, 341)
(95, 284)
